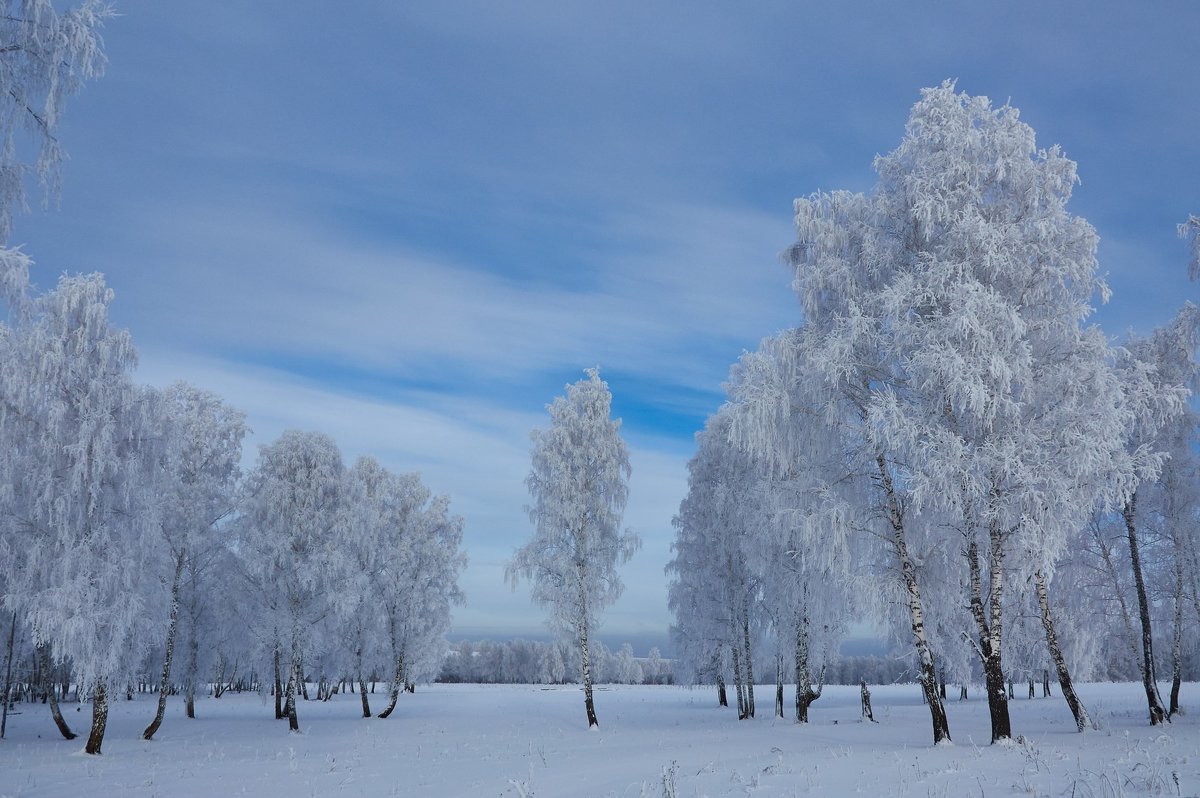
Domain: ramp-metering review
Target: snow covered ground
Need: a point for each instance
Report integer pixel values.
(473, 740)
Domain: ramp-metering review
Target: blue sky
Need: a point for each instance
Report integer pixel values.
(410, 224)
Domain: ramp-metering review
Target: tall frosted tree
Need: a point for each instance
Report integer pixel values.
(579, 486)
(289, 528)
(77, 517)
(714, 593)
(198, 473)
(419, 584)
(948, 307)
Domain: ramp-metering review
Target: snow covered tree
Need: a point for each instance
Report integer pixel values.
(201, 449)
(579, 486)
(418, 584)
(286, 535)
(949, 307)
(714, 593)
(843, 263)
(75, 461)
(1156, 373)
(803, 547)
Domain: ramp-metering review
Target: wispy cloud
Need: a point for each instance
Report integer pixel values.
(409, 225)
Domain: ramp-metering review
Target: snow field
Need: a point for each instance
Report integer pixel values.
(499, 740)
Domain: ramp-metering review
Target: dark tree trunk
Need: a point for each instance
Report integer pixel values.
(722, 698)
(805, 695)
(942, 682)
(189, 682)
(866, 702)
(1046, 684)
(1078, 710)
(12, 641)
(1177, 641)
(278, 687)
(737, 681)
(586, 661)
(362, 692)
(1153, 700)
(164, 685)
(362, 685)
(962, 692)
(779, 685)
(397, 672)
(989, 635)
(99, 719)
(928, 679)
(294, 676)
(749, 661)
(52, 694)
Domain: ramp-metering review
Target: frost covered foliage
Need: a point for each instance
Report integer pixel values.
(77, 454)
(579, 486)
(946, 395)
(45, 56)
(116, 538)
(350, 573)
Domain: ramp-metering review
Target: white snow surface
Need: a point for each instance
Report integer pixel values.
(492, 740)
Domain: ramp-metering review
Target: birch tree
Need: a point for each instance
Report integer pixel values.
(288, 529)
(202, 446)
(418, 588)
(579, 485)
(78, 517)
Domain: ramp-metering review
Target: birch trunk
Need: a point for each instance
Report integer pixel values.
(588, 702)
(805, 695)
(749, 661)
(52, 694)
(278, 687)
(1078, 710)
(1153, 700)
(362, 685)
(1177, 642)
(737, 681)
(12, 639)
(397, 668)
(99, 719)
(779, 684)
(164, 684)
(988, 623)
(189, 681)
(916, 609)
(294, 676)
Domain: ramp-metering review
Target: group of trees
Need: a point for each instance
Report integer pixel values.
(945, 440)
(555, 662)
(125, 526)
(125, 523)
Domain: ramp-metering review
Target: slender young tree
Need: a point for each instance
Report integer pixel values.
(579, 486)
(419, 587)
(1157, 372)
